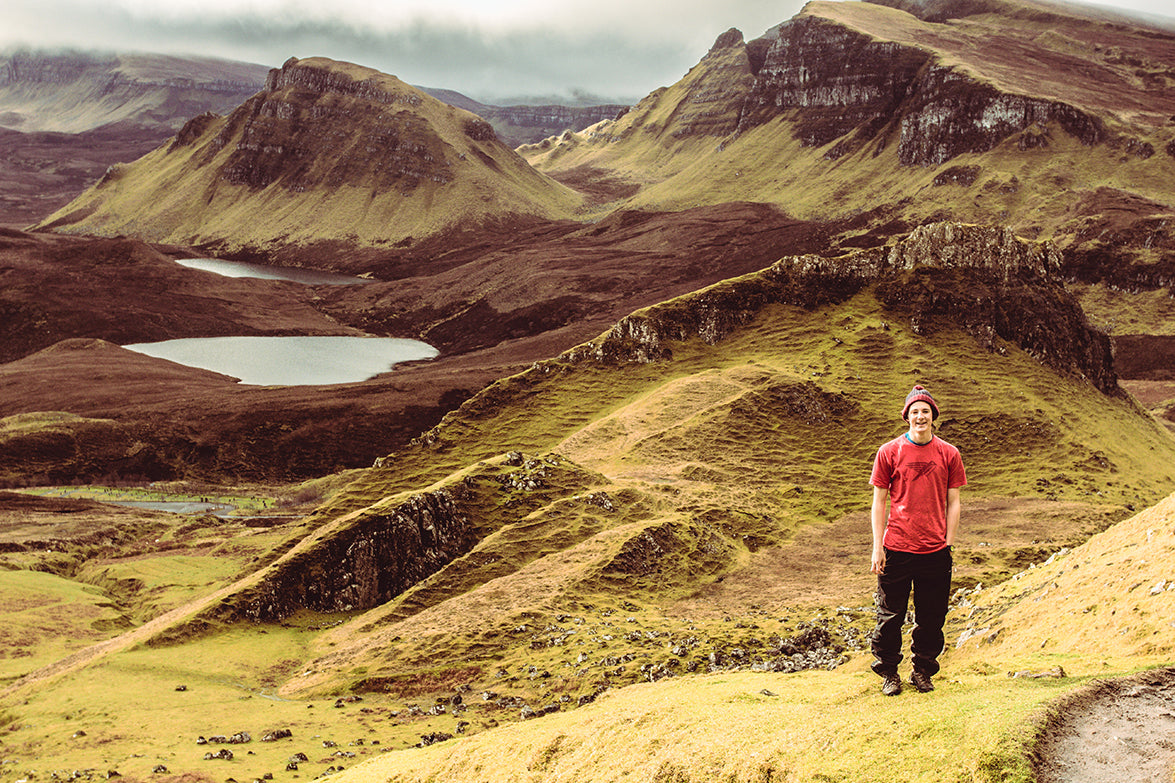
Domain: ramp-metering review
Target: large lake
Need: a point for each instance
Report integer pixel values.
(291, 361)
(291, 273)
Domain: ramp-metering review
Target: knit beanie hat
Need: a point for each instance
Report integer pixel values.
(919, 394)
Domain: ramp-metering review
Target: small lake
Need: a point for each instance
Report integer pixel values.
(291, 273)
(291, 361)
(175, 506)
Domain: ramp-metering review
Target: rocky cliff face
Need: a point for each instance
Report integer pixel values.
(839, 78)
(367, 563)
(982, 279)
(838, 81)
(287, 133)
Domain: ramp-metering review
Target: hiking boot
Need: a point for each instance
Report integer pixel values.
(891, 685)
(921, 681)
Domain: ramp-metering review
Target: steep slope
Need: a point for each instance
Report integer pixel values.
(80, 91)
(328, 152)
(1053, 122)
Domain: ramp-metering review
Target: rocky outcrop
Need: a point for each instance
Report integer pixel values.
(292, 133)
(949, 113)
(367, 563)
(839, 78)
(982, 279)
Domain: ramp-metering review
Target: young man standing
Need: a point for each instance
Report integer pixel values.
(919, 476)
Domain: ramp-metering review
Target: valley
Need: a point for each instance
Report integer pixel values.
(618, 528)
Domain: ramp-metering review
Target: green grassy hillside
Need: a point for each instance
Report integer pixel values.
(666, 539)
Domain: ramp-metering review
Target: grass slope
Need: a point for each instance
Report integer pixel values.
(667, 518)
(818, 726)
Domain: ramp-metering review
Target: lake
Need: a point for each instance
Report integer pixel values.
(291, 273)
(290, 361)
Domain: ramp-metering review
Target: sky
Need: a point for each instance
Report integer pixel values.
(490, 50)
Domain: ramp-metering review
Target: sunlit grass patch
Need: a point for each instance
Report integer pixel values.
(751, 727)
(44, 617)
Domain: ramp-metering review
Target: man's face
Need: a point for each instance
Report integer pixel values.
(921, 416)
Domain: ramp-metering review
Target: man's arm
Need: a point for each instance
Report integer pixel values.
(878, 514)
(954, 510)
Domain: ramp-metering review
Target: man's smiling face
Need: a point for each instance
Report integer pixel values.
(921, 417)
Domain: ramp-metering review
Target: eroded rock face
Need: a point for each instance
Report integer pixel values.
(369, 562)
(949, 114)
(833, 82)
(840, 78)
(982, 279)
(295, 133)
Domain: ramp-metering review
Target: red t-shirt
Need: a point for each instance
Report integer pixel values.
(917, 477)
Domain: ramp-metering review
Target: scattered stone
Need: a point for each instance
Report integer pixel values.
(1054, 673)
(276, 734)
(181, 688)
(159, 769)
(223, 753)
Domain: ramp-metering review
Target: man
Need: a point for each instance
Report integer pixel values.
(918, 475)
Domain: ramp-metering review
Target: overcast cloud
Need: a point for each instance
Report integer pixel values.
(611, 49)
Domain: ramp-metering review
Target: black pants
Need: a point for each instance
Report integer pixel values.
(930, 578)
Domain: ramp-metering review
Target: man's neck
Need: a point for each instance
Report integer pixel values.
(921, 440)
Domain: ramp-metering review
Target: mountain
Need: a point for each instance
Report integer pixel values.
(328, 152)
(1042, 117)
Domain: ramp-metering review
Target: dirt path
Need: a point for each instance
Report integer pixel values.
(1115, 731)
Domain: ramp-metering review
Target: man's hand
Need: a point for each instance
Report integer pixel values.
(878, 566)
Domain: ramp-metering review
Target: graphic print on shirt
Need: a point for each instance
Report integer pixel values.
(917, 470)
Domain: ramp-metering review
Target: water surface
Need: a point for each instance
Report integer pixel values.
(290, 361)
(263, 271)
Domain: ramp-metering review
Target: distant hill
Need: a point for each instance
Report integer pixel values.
(79, 91)
(327, 152)
(66, 117)
(526, 123)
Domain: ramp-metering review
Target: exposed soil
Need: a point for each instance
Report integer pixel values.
(1112, 731)
(42, 172)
